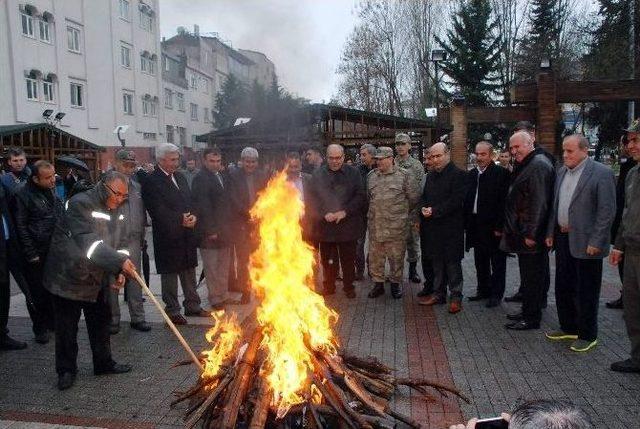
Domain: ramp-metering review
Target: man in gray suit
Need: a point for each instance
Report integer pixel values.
(584, 206)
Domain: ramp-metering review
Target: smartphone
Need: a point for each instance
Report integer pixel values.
(492, 423)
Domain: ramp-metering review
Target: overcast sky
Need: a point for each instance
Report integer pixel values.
(303, 38)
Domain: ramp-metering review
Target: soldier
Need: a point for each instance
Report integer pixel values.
(392, 197)
(416, 176)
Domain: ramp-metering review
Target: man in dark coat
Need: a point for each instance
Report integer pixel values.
(484, 216)
(167, 198)
(244, 184)
(527, 209)
(210, 199)
(338, 199)
(442, 226)
(7, 234)
(37, 210)
(367, 164)
(88, 258)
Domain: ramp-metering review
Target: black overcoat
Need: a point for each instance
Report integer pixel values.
(240, 202)
(443, 232)
(174, 245)
(212, 207)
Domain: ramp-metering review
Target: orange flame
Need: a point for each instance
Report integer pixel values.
(226, 333)
(281, 271)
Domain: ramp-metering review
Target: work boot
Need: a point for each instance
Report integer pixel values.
(413, 273)
(378, 289)
(396, 293)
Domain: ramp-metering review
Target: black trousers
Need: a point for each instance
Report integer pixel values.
(18, 268)
(546, 278)
(5, 298)
(447, 271)
(490, 261)
(578, 283)
(427, 266)
(361, 257)
(97, 316)
(330, 254)
(532, 284)
(42, 318)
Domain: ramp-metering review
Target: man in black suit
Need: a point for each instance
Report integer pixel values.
(7, 232)
(244, 184)
(167, 198)
(209, 189)
(484, 216)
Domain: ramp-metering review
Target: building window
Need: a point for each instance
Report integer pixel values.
(167, 65)
(45, 33)
(32, 89)
(168, 98)
(147, 65)
(124, 9)
(182, 133)
(73, 39)
(146, 21)
(194, 81)
(149, 136)
(77, 99)
(194, 112)
(193, 140)
(149, 108)
(127, 103)
(169, 134)
(125, 56)
(27, 24)
(47, 91)
(180, 99)
(206, 114)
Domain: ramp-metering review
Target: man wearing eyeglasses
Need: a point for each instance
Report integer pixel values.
(88, 259)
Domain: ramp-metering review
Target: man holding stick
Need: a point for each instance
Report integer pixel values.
(87, 261)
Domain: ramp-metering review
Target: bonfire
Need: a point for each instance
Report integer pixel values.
(285, 368)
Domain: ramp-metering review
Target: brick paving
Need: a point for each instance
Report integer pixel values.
(494, 367)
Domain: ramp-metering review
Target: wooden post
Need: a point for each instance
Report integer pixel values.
(547, 111)
(458, 137)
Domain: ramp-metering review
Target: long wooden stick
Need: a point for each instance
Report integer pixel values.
(167, 319)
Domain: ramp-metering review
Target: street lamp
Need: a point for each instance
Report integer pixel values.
(438, 55)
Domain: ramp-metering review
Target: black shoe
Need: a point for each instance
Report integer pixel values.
(114, 328)
(517, 297)
(396, 293)
(515, 317)
(42, 337)
(522, 326)
(413, 273)
(426, 291)
(117, 368)
(625, 366)
(492, 302)
(477, 297)
(350, 293)
(615, 304)
(66, 380)
(378, 290)
(141, 326)
(8, 343)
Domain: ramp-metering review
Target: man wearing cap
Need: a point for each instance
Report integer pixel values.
(392, 197)
(132, 210)
(628, 243)
(416, 174)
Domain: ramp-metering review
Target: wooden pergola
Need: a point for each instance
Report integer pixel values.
(44, 141)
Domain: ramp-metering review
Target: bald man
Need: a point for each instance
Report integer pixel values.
(337, 200)
(442, 226)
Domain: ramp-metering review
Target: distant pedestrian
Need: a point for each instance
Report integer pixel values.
(392, 196)
(579, 230)
(190, 171)
(367, 164)
(313, 159)
(17, 172)
(504, 159)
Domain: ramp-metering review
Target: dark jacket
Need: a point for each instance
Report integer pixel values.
(628, 238)
(309, 232)
(240, 201)
(333, 191)
(212, 207)
(4, 243)
(11, 181)
(443, 231)
(85, 240)
(625, 167)
(174, 245)
(492, 187)
(528, 204)
(36, 213)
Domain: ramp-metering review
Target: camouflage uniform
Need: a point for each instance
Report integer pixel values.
(392, 197)
(416, 173)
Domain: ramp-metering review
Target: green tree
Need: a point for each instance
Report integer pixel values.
(230, 102)
(473, 53)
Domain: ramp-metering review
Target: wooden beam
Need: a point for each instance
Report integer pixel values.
(482, 115)
(581, 91)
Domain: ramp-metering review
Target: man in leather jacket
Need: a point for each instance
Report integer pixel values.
(37, 209)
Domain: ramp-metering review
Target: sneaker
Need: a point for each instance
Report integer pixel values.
(455, 307)
(627, 365)
(582, 346)
(560, 336)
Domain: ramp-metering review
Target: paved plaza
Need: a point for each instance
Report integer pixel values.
(494, 367)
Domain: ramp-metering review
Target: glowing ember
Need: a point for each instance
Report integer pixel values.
(290, 313)
(226, 334)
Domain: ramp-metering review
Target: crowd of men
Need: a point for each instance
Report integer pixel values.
(74, 257)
